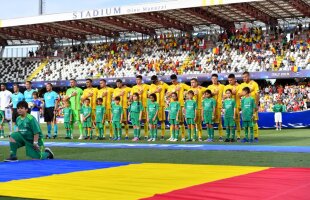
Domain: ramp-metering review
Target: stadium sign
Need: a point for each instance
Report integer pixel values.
(97, 13)
(116, 11)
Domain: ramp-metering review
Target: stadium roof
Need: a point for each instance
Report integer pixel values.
(181, 15)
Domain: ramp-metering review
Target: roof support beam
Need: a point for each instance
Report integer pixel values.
(62, 32)
(36, 28)
(301, 6)
(257, 14)
(126, 24)
(21, 34)
(92, 29)
(3, 42)
(211, 17)
(166, 21)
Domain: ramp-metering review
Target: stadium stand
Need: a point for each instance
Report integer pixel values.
(16, 69)
(237, 52)
(294, 97)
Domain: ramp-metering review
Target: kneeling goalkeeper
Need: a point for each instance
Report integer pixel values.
(28, 134)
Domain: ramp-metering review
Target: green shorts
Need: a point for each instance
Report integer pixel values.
(116, 124)
(76, 116)
(134, 117)
(67, 125)
(99, 125)
(153, 122)
(190, 121)
(207, 118)
(174, 122)
(229, 122)
(247, 123)
(30, 151)
(87, 124)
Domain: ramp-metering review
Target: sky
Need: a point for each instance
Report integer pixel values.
(25, 8)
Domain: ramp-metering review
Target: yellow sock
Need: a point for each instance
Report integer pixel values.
(171, 131)
(199, 127)
(111, 129)
(163, 129)
(220, 128)
(183, 130)
(256, 130)
(104, 129)
(238, 128)
(126, 130)
(146, 129)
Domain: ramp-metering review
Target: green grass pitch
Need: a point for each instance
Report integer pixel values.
(286, 137)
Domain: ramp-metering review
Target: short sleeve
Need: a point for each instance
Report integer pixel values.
(68, 92)
(141, 106)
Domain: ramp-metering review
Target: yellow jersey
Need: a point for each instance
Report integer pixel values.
(236, 96)
(253, 88)
(93, 98)
(107, 99)
(124, 98)
(160, 95)
(217, 91)
(181, 87)
(141, 88)
(198, 91)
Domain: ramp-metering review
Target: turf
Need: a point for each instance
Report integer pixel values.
(177, 156)
(288, 137)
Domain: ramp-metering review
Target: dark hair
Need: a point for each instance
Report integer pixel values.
(100, 99)
(208, 92)
(22, 104)
(35, 93)
(136, 94)
(176, 94)
(139, 76)
(215, 75)
(28, 82)
(49, 84)
(229, 90)
(191, 92)
(88, 79)
(247, 90)
(117, 98)
(15, 85)
(194, 79)
(154, 78)
(173, 77)
(72, 79)
(3, 84)
(87, 99)
(154, 96)
(231, 76)
(103, 80)
(246, 73)
(119, 81)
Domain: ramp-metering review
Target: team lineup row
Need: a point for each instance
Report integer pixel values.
(76, 96)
